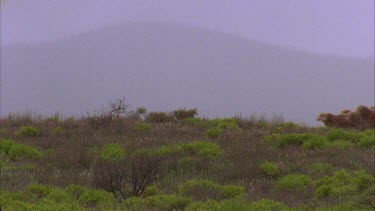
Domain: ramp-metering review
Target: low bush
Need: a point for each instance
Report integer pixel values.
(112, 151)
(140, 127)
(268, 204)
(20, 151)
(200, 189)
(96, 197)
(38, 190)
(136, 203)
(293, 182)
(196, 122)
(315, 142)
(213, 133)
(28, 131)
(16, 151)
(203, 148)
(341, 134)
(341, 144)
(298, 139)
(367, 141)
(232, 191)
(270, 169)
(167, 202)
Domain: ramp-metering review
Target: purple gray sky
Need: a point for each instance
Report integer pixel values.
(340, 27)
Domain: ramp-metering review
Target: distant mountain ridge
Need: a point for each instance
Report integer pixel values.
(167, 66)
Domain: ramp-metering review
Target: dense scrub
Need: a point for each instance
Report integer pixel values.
(177, 161)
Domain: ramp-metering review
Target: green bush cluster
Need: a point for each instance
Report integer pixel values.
(43, 197)
(237, 204)
(200, 189)
(201, 148)
(28, 131)
(140, 127)
(293, 182)
(343, 183)
(336, 138)
(213, 133)
(112, 151)
(270, 169)
(17, 151)
(223, 123)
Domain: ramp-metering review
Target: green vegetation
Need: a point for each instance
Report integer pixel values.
(16, 151)
(270, 169)
(28, 131)
(293, 182)
(178, 161)
(142, 127)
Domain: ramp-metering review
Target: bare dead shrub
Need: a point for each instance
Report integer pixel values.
(130, 175)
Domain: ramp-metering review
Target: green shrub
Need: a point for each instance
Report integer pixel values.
(20, 151)
(213, 133)
(59, 196)
(287, 126)
(315, 142)
(279, 140)
(168, 202)
(185, 113)
(224, 123)
(75, 190)
(341, 144)
(142, 127)
(151, 191)
(267, 204)
(3, 131)
(239, 204)
(203, 206)
(38, 190)
(200, 189)
(363, 180)
(112, 151)
(367, 141)
(340, 183)
(203, 148)
(293, 182)
(58, 131)
(341, 134)
(50, 205)
(270, 169)
(232, 191)
(18, 205)
(28, 131)
(5, 145)
(136, 203)
(96, 197)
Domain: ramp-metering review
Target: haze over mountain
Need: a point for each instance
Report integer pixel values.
(168, 66)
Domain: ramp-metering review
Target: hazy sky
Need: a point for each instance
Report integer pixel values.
(341, 27)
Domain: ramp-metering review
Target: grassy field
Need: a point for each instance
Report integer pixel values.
(160, 161)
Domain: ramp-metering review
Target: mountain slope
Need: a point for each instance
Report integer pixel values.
(165, 66)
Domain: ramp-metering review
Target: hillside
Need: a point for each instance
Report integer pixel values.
(166, 66)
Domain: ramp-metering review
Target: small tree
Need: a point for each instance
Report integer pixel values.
(104, 116)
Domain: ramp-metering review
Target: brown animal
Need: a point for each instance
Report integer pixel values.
(362, 117)
(331, 120)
